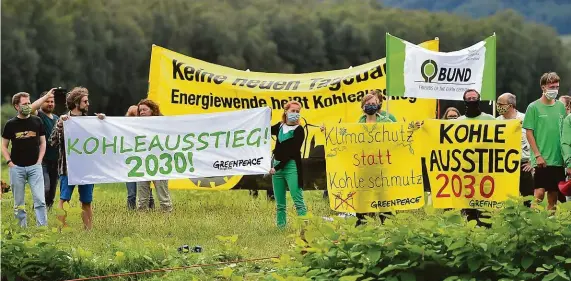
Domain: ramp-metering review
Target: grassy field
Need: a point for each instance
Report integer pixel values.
(198, 217)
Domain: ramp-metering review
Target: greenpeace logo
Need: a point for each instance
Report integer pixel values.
(229, 165)
(444, 75)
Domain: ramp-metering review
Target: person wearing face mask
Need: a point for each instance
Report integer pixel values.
(371, 106)
(543, 120)
(473, 112)
(27, 134)
(287, 170)
(451, 113)
(77, 102)
(506, 107)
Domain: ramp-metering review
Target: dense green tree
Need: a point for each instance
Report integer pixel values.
(105, 45)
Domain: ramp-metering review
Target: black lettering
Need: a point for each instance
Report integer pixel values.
(188, 71)
(176, 70)
(444, 128)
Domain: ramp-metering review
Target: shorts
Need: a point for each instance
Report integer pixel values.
(85, 191)
(548, 177)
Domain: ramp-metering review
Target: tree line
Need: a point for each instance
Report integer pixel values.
(105, 45)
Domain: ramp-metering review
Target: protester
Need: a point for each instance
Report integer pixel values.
(380, 96)
(566, 147)
(148, 108)
(43, 108)
(27, 134)
(542, 122)
(77, 102)
(132, 186)
(451, 113)
(287, 170)
(506, 107)
(473, 112)
(566, 100)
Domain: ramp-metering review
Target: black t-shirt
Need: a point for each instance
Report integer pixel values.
(25, 137)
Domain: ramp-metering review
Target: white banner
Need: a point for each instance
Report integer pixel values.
(130, 149)
(414, 71)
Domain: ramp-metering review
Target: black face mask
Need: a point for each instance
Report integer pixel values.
(472, 108)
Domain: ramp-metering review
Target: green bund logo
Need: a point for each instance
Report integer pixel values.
(428, 70)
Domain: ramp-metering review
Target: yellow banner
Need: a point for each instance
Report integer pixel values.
(373, 167)
(472, 164)
(185, 85)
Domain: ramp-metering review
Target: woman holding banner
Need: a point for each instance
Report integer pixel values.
(287, 171)
(148, 107)
(371, 105)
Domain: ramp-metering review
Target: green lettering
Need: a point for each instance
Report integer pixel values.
(175, 146)
(202, 141)
(156, 142)
(95, 146)
(257, 140)
(238, 138)
(122, 148)
(113, 144)
(71, 146)
(217, 135)
(186, 139)
(137, 144)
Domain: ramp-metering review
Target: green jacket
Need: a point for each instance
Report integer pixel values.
(566, 141)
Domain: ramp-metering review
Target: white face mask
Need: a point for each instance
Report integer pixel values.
(551, 94)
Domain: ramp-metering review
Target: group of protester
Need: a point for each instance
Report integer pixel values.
(38, 155)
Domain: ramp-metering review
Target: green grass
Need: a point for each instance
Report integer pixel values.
(197, 218)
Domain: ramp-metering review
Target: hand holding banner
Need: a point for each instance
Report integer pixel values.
(128, 149)
(472, 164)
(373, 167)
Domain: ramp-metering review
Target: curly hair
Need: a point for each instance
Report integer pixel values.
(548, 78)
(156, 111)
(74, 97)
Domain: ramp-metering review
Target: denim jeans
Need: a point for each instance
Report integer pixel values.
(35, 177)
(50, 180)
(132, 196)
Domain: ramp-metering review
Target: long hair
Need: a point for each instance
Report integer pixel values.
(74, 97)
(450, 109)
(156, 111)
(286, 108)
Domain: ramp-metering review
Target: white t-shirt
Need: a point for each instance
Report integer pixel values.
(525, 148)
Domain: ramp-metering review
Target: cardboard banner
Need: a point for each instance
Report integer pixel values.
(414, 71)
(130, 149)
(373, 167)
(472, 164)
(185, 85)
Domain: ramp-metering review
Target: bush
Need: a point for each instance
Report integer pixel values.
(38, 254)
(522, 244)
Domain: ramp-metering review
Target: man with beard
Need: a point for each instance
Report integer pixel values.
(473, 112)
(24, 160)
(77, 102)
(43, 108)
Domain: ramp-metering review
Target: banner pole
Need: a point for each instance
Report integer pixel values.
(438, 100)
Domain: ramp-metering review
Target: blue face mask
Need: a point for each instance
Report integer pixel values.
(292, 117)
(371, 109)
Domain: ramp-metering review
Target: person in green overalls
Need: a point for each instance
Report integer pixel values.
(287, 171)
